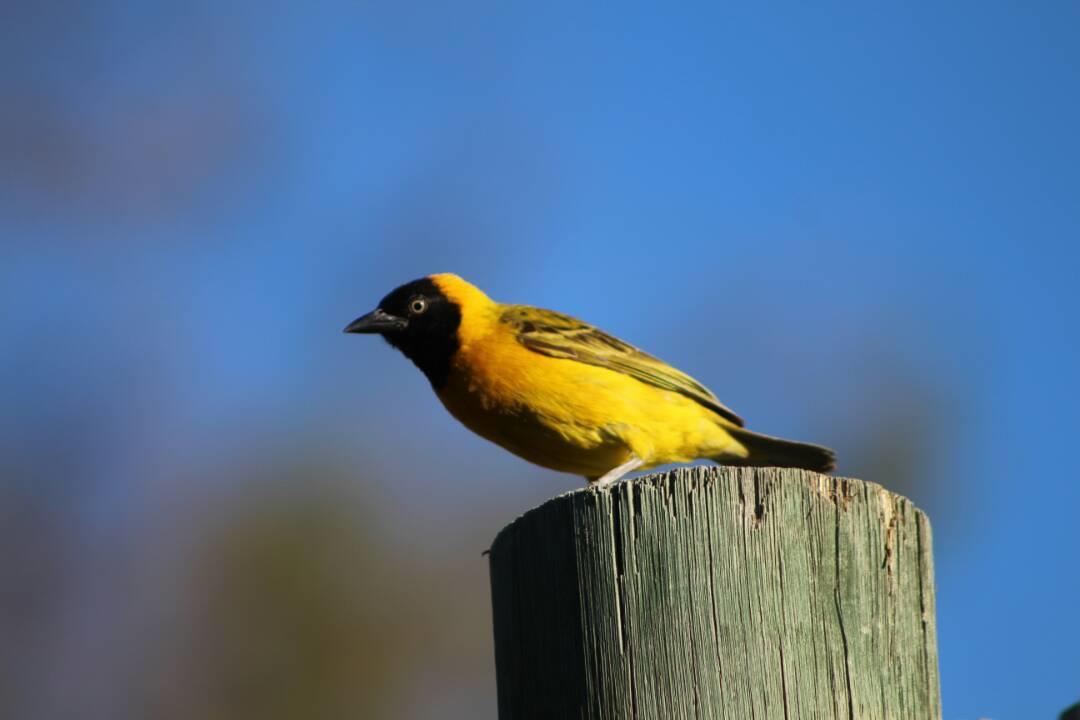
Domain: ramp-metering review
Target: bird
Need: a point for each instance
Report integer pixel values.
(562, 393)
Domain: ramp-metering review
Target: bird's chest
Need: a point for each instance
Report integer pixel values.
(490, 392)
(515, 401)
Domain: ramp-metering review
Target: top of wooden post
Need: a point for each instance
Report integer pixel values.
(836, 490)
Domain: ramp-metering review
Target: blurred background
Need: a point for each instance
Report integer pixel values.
(858, 224)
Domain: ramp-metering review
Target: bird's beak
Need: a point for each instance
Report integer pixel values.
(376, 322)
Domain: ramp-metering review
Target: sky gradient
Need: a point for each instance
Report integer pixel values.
(857, 224)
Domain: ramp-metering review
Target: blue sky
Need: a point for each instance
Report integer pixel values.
(857, 224)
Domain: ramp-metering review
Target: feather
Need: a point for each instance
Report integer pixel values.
(556, 335)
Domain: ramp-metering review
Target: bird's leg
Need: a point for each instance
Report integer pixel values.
(617, 472)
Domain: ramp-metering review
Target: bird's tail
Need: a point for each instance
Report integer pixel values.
(764, 450)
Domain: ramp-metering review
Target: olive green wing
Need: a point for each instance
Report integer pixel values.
(561, 336)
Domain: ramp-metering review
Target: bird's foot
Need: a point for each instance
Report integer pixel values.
(617, 472)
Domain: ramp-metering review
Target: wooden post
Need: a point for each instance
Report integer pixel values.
(715, 592)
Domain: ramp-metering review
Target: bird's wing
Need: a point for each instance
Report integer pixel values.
(557, 335)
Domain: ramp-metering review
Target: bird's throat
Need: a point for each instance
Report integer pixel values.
(433, 357)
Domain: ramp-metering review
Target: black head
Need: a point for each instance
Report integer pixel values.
(420, 321)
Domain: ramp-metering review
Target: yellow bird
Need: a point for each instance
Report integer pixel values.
(560, 393)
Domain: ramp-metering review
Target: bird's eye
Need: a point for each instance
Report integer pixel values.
(417, 305)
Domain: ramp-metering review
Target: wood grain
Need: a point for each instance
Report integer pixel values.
(716, 592)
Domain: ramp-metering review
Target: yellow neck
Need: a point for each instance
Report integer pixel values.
(477, 309)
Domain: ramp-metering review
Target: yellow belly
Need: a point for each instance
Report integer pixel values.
(577, 418)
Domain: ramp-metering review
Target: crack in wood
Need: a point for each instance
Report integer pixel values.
(840, 623)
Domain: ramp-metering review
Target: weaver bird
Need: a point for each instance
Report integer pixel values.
(562, 394)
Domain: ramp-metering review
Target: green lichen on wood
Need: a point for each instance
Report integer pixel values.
(717, 593)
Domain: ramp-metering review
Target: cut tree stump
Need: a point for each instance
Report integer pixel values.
(717, 592)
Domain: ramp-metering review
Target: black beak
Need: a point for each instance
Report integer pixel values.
(376, 322)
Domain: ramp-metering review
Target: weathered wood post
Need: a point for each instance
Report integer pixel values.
(717, 593)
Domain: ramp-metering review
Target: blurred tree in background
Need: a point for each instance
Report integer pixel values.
(298, 610)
